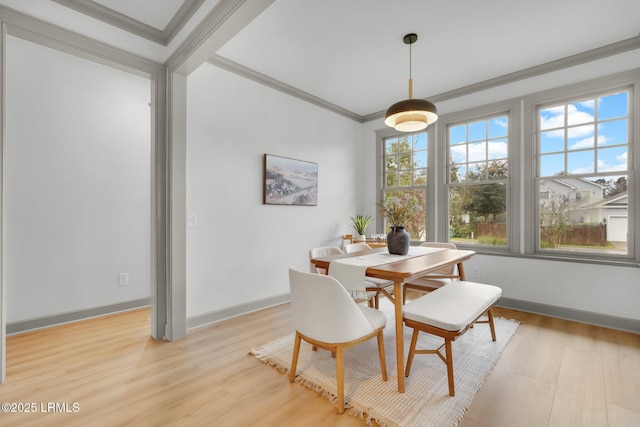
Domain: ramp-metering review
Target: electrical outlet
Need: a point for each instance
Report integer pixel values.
(192, 220)
(123, 279)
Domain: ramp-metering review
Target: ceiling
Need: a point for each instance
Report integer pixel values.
(350, 54)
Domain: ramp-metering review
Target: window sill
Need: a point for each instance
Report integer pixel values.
(560, 257)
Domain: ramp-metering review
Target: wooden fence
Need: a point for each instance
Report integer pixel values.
(580, 235)
(583, 235)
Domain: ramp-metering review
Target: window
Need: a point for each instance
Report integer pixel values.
(477, 173)
(583, 167)
(405, 176)
(549, 175)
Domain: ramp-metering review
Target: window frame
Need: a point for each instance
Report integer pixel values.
(381, 136)
(523, 204)
(628, 81)
(512, 110)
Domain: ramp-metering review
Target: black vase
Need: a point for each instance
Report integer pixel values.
(398, 241)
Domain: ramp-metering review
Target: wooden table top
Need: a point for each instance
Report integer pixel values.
(406, 268)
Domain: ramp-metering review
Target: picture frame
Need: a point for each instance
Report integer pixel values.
(290, 181)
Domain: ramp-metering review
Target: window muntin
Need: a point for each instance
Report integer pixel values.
(582, 175)
(477, 181)
(405, 175)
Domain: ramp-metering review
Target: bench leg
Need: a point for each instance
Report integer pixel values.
(493, 329)
(412, 351)
(447, 345)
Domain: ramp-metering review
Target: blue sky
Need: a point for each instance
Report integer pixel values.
(596, 136)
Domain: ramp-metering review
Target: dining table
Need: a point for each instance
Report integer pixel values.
(402, 269)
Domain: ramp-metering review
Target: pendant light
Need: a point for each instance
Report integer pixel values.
(411, 114)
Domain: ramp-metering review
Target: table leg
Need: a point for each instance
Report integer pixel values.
(397, 289)
(461, 271)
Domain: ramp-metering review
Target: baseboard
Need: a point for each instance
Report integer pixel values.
(73, 316)
(598, 319)
(238, 310)
(605, 320)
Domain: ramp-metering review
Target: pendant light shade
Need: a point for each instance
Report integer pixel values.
(411, 114)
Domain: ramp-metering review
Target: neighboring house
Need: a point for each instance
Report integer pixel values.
(590, 205)
(613, 212)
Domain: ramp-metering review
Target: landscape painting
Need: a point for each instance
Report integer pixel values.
(290, 182)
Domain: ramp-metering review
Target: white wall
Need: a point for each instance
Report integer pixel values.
(602, 289)
(78, 183)
(241, 249)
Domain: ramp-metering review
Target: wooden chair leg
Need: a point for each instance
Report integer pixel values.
(376, 301)
(412, 351)
(404, 295)
(340, 379)
(294, 360)
(447, 345)
(383, 360)
(493, 329)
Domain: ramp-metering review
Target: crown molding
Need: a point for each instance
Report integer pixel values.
(35, 30)
(117, 19)
(223, 22)
(248, 73)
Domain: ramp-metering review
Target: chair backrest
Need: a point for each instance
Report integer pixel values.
(357, 247)
(347, 239)
(320, 252)
(449, 270)
(323, 310)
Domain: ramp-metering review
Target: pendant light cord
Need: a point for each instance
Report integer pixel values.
(410, 76)
(410, 64)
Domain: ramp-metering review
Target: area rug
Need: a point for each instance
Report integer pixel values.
(426, 400)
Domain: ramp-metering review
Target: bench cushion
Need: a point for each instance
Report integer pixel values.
(454, 306)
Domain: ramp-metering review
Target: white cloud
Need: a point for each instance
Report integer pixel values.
(621, 164)
(502, 123)
(603, 140)
(583, 143)
(477, 152)
(554, 118)
(583, 169)
(622, 158)
(497, 149)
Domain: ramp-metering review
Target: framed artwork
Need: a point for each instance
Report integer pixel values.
(289, 181)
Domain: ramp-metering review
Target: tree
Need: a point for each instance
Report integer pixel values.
(617, 187)
(555, 219)
(486, 201)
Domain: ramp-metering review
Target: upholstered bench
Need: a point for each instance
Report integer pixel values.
(449, 312)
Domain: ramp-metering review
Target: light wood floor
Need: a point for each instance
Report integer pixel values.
(553, 373)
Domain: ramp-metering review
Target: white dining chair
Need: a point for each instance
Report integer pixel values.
(372, 294)
(433, 280)
(325, 316)
(371, 283)
(356, 247)
(320, 252)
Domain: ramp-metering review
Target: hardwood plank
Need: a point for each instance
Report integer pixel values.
(553, 372)
(580, 392)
